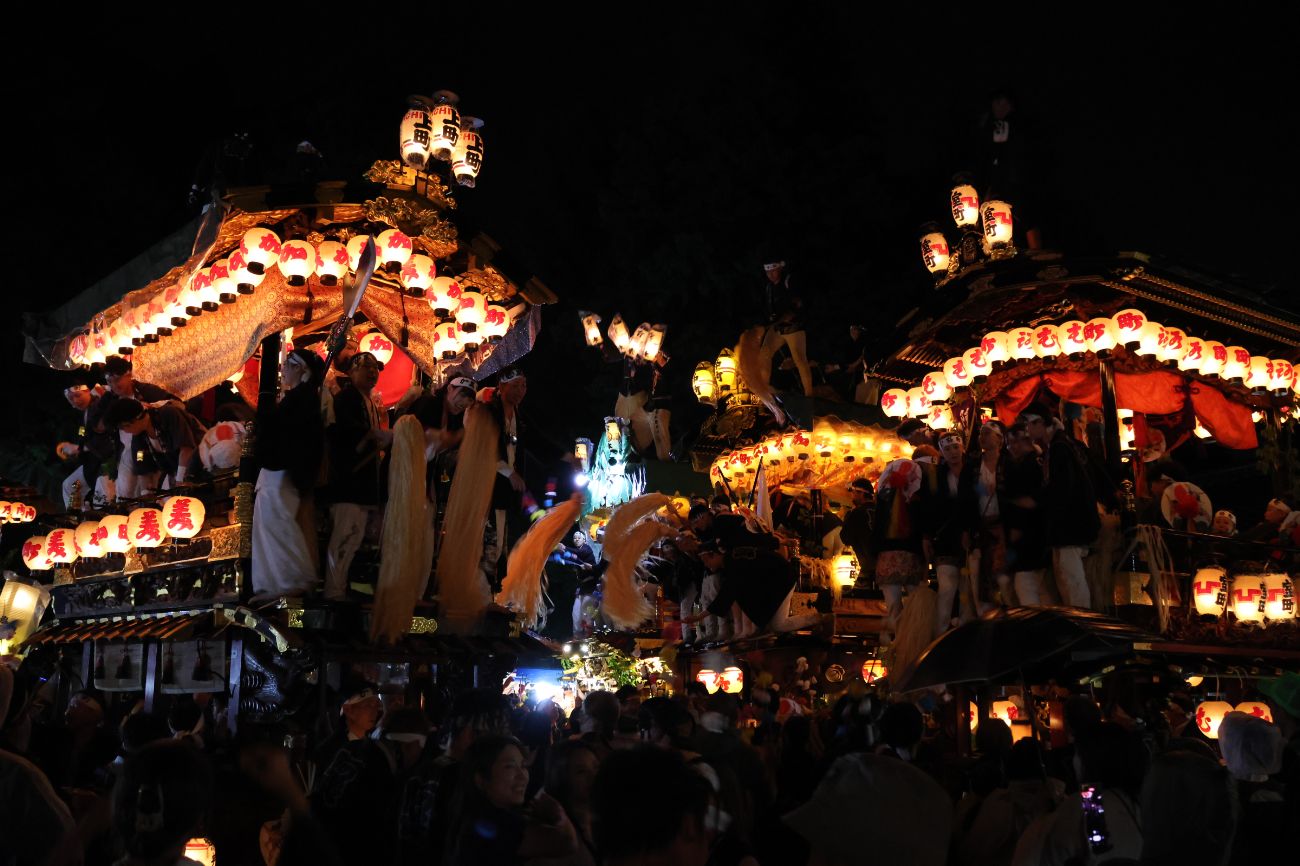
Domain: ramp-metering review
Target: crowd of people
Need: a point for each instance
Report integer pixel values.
(692, 778)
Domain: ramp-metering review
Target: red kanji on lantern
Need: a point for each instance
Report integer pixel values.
(1206, 587)
(1075, 332)
(1046, 338)
(1258, 712)
(399, 241)
(495, 316)
(179, 516)
(1203, 720)
(1130, 321)
(100, 536)
(976, 358)
(149, 529)
(959, 369)
(1241, 356)
(55, 548)
(1023, 338)
(31, 550)
(1221, 353)
(1194, 350)
(291, 252)
(888, 401)
(1092, 331)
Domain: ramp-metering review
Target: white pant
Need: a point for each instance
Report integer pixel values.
(1029, 588)
(1071, 577)
(345, 540)
(105, 489)
(949, 582)
(282, 561)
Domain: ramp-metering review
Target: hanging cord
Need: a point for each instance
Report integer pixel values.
(406, 323)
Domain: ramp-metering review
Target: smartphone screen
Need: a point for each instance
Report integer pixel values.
(1094, 819)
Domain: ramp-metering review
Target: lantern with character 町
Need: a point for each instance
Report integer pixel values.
(1210, 591)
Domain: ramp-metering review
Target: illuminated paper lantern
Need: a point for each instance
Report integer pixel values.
(1259, 374)
(724, 368)
(223, 285)
(34, 554)
(709, 679)
(1193, 353)
(470, 314)
(977, 364)
(1258, 709)
(996, 219)
(1020, 344)
(5, 509)
(496, 323)
(1173, 345)
(995, 348)
(444, 296)
(636, 347)
(261, 249)
(1279, 598)
(1248, 597)
(1102, 335)
(654, 341)
(956, 373)
(1047, 341)
(703, 384)
(940, 418)
(1210, 591)
(1209, 715)
(591, 329)
(201, 851)
(1149, 338)
(61, 546)
(378, 345)
(467, 155)
(894, 402)
(917, 405)
(415, 135)
(965, 203)
(240, 271)
(619, 336)
(355, 247)
(297, 261)
(934, 253)
(1215, 357)
(1008, 711)
(873, 670)
(446, 130)
(332, 262)
(393, 249)
(446, 341)
(116, 533)
(29, 513)
(1129, 324)
(1283, 376)
(183, 516)
(21, 607)
(731, 680)
(936, 388)
(89, 542)
(1074, 338)
(145, 528)
(417, 274)
(1236, 364)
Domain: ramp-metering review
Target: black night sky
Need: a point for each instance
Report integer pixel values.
(650, 163)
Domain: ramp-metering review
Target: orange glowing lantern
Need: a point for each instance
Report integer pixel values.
(1259, 375)
(731, 680)
(965, 203)
(977, 363)
(1258, 709)
(145, 527)
(936, 388)
(1236, 364)
(393, 249)
(709, 679)
(894, 402)
(332, 262)
(845, 568)
(201, 851)
(241, 272)
(1102, 335)
(1279, 598)
(470, 315)
(1215, 357)
(1074, 338)
(223, 284)
(994, 345)
(446, 341)
(1149, 339)
(1209, 715)
(996, 218)
(34, 554)
(378, 345)
(261, 248)
(356, 246)
(934, 253)
(619, 336)
(940, 418)
(1173, 346)
(591, 329)
(1210, 591)
(1193, 354)
(917, 405)
(956, 373)
(1283, 376)
(1009, 711)
(467, 155)
(1047, 341)
(444, 296)
(297, 261)
(1248, 597)
(61, 546)
(1020, 344)
(116, 538)
(873, 670)
(183, 516)
(496, 323)
(1129, 324)
(89, 542)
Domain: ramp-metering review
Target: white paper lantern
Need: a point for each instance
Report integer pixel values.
(1193, 354)
(297, 261)
(332, 262)
(1247, 597)
(1210, 591)
(917, 405)
(418, 274)
(116, 533)
(378, 345)
(956, 373)
(1047, 341)
(1074, 338)
(995, 348)
(845, 568)
(145, 528)
(1259, 374)
(1020, 344)
(936, 388)
(355, 247)
(654, 342)
(467, 155)
(934, 253)
(619, 336)
(965, 203)
(1102, 335)
(591, 330)
(394, 249)
(1236, 364)
(1149, 339)
(470, 314)
(636, 346)
(245, 280)
(61, 546)
(446, 130)
(1129, 324)
(1258, 709)
(21, 608)
(704, 385)
(415, 136)
(1209, 715)
(1215, 357)
(894, 402)
(996, 219)
(1279, 598)
(223, 284)
(444, 296)
(1172, 345)
(261, 249)
(34, 554)
(496, 323)
(183, 516)
(1283, 376)
(940, 418)
(977, 364)
(89, 543)
(446, 341)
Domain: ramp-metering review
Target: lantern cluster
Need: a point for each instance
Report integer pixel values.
(832, 454)
(988, 222)
(730, 680)
(16, 512)
(643, 344)
(1130, 329)
(178, 517)
(1254, 598)
(434, 129)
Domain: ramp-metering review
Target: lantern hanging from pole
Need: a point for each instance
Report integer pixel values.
(1020, 344)
(467, 155)
(1210, 591)
(297, 261)
(956, 373)
(183, 515)
(377, 344)
(145, 528)
(1259, 374)
(1279, 598)
(654, 341)
(996, 218)
(261, 249)
(88, 539)
(724, 368)
(496, 323)
(1258, 709)
(936, 388)
(1248, 597)
(1102, 335)
(995, 348)
(1236, 364)
(1215, 357)
(1047, 341)
(356, 246)
(1074, 338)
(115, 528)
(1129, 324)
(1209, 715)
(977, 364)
(1127, 436)
(34, 554)
(873, 670)
(245, 280)
(894, 402)
(1193, 354)
(61, 546)
(703, 383)
(394, 249)
(965, 202)
(934, 253)
(1149, 339)
(446, 126)
(917, 405)
(444, 296)
(591, 329)
(21, 607)
(1173, 346)
(446, 341)
(415, 134)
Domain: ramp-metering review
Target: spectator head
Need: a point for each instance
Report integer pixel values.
(127, 415)
(720, 505)
(600, 712)
(904, 813)
(925, 454)
(303, 366)
(78, 396)
(118, 376)
(1001, 104)
(774, 269)
(629, 699)
(361, 711)
(627, 781)
(408, 730)
(1110, 757)
(1251, 747)
(914, 433)
(1038, 420)
(1224, 523)
(861, 491)
(460, 394)
(1018, 441)
(952, 445)
(162, 800)
(579, 540)
(494, 765)
(700, 518)
(1276, 511)
(1024, 761)
(571, 768)
(992, 436)
(364, 370)
(512, 386)
(902, 725)
(993, 737)
(1188, 811)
